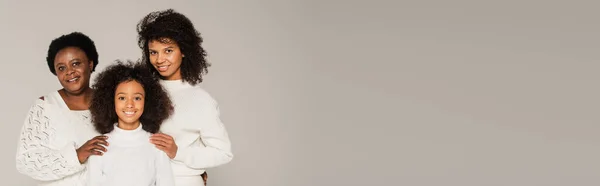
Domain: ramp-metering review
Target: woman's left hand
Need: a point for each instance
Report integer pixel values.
(165, 143)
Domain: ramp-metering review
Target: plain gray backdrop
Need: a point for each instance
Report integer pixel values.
(419, 93)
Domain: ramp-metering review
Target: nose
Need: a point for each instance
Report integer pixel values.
(129, 103)
(161, 58)
(70, 70)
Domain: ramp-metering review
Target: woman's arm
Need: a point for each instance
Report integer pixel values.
(36, 157)
(217, 149)
(217, 146)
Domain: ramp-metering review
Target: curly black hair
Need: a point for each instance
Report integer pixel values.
(74, 39)
(157, 105)
(167, 26)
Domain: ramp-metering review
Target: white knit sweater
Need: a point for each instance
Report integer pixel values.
(49, 137)
(197, 129)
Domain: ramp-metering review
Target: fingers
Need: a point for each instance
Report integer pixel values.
(98, 148)
(162, 136)
(160, 142)
(96, 152)
(164, 143)
(94, 149)
(158, 139)
(85, 151)
(101, 137)
(96, 145)
(99, 142)
(162, 148)
(169, 151)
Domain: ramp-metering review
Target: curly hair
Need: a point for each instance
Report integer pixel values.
(167, 26)
(157, 105)
(74, 39)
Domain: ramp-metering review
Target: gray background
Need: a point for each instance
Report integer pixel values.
(358, 93)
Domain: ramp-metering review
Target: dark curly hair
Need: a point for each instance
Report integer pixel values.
(74, 39)
(167, 26)
(157, 105)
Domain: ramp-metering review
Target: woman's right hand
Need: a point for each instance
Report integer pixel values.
(92, 147)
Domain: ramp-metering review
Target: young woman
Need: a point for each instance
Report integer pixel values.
(57, 136)
(128, 106)
(194, 137)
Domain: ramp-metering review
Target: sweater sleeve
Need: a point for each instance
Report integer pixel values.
(217, 149)
(36, 157)
(164, 173)
(94, 171)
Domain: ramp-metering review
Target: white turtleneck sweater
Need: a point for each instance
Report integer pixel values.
(200, 135)
(130, 160)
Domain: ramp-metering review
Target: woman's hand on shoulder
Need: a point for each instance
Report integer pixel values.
(94, 146)
(165, 143)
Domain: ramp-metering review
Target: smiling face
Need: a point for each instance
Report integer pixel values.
(166, 57)
(73, 70)
(129, 103)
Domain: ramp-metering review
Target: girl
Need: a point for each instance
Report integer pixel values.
(194, 137)
(128, 106)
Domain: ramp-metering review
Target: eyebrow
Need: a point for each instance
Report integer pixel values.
(74, 59)
(169, 47)
(133, 93)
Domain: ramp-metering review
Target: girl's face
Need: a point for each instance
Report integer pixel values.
(73, 69)
(129, 102)
(165, 56)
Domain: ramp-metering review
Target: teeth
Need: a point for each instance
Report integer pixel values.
(129, 113)
(163, 67)
(71, 80)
